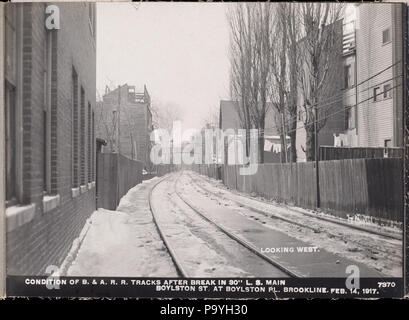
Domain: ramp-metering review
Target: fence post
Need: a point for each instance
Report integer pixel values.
(317, 182)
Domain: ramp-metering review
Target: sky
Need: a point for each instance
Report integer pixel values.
(179, 50)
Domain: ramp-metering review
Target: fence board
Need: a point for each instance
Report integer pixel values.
(116, 174)
(370, 187)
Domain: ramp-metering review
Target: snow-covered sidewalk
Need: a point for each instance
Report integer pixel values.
(122, 243)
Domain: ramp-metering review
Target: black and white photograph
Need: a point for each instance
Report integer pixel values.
(233, 150)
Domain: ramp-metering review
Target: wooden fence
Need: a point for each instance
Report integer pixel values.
(340, 153)
(163, 169)
(369, 187)
(116, 174)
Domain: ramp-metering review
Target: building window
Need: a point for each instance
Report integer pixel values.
(351, 122)
(11, 43)
(93, 146)
(347, 76)
(376, 93)
(387, 143)
(386, 36)
(10, 126)
(47, 113)
(10, 103)
(82, 137)
(387, 91)
(89, 158)
(75, 128)
(53, 105)
(91, 17)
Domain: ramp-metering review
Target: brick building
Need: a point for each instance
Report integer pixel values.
(372, 60)
(125, 122)
(50, 80)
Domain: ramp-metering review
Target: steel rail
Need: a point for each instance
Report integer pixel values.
(238, 239)
(345, 224)
(179, 268)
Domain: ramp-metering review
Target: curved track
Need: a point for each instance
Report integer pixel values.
(178, 264)
(179, 268)
(382, 234)
(316, 230)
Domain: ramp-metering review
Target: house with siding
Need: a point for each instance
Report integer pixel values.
(365, 90)
(50, 80)
(372, 55)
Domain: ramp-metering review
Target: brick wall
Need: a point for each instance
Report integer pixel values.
(47, 237)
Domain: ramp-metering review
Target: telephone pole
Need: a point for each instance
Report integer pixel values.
(285, 137)
(119, 120)
(317, 174)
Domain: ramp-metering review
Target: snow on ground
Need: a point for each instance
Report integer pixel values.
(184, 232)
(125, 242)
(122, 243)
(380, 253)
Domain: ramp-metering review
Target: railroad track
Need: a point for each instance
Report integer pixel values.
(241, 204)
(172, 252)
(179, 267)
(289, 221)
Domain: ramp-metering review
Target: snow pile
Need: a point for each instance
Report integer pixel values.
(76, 244)
(122, 242)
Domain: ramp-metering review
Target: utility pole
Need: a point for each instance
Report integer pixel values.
(356, 82)
(405, 124)
(317, 174)
(119, 120)
(285, 137)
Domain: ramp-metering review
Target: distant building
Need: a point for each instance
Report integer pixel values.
(125, 122)
(229, 119)
(372, 62)
(50, 142)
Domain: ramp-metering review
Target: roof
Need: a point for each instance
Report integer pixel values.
(230, 119)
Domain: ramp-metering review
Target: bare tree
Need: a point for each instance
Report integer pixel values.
(212, 118)
(279, 73)
(262, 31)
(105, 125)
(164, 114)
(249, 57)
(239, 63)
(285, 64)
(293, 53)
(318, 44)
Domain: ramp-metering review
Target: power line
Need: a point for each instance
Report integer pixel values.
(320, 106)
(347, 107)
(385, 81)
(328, 104)
(377, 74)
